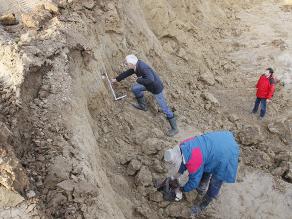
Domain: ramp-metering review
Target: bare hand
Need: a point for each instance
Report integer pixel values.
(268, 100)
(114, 81)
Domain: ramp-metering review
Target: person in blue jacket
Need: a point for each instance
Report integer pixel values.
(148, 80)
(210, 159)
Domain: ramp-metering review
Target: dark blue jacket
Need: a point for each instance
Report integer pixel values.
(214, 152)
(146, 76)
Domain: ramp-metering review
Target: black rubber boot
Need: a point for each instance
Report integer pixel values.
(173, 131)
(197, 209)
(141, 104)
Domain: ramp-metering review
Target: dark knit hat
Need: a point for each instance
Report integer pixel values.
(270, 70)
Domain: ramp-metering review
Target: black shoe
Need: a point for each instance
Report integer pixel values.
(141, 104)
(173, 131)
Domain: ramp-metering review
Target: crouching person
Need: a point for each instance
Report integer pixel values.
(148, 80)
(210, 159)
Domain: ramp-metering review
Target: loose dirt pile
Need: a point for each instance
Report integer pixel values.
(69, 151)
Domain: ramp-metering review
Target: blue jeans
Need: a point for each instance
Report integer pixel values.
(138, 90)
(263, 102)
(214, 185)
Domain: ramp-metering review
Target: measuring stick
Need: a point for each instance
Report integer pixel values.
(112, 90)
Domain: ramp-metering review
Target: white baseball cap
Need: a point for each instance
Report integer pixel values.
(131, 59)
(173, 155)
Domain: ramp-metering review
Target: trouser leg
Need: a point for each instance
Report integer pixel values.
(138, 90)
(160, 99)
(263, 107)
(256, 105)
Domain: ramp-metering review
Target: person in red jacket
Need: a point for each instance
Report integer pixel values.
(265, 91)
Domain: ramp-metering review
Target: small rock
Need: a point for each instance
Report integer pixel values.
(133, 167)
(207, 78)
(5, 133)
(288, 175)
(279, 171)
(56, 200)
(163, 204)
(43, 94)
(182, 54)
(51, 7)
(191, 196)
(41, 158)
(219, 80)
(28, 21)
(8, 19)
(210, 97)
(125, 159)
(284, 156)
(146, 212)
(62, 3)
(67, 185)
(156, 197)
(88, 4)
(152, 146)
(250, 135)
(142, 190)
(39, 183)
(30, 194)
(233, 118)
(11, 199)
(158, 167)
(46, 87)
(140, 135)
(282, 127)
(30, 208)
(178, 210)
(36, 19)
(144, 177)
(208, 106)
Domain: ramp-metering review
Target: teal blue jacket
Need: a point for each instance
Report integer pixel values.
(214, 152)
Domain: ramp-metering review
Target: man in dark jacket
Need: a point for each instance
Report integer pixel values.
(265, 91)
(148, 80)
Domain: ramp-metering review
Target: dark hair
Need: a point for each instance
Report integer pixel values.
(270, 70)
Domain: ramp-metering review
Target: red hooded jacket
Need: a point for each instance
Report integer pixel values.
(265, 87)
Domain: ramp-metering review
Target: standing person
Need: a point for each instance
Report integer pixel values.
(265, 91)
(148, 80)
(210, 159)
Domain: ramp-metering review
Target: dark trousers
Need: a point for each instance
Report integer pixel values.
(263, 102)
(214, 185)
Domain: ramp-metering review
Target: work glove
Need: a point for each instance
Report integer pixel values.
(178, 194)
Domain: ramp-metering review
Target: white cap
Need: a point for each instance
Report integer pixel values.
(131, 59)
(173, 155)
(173, 159)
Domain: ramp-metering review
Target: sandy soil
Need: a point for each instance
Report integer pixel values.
(17, 6)
(88, 156)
